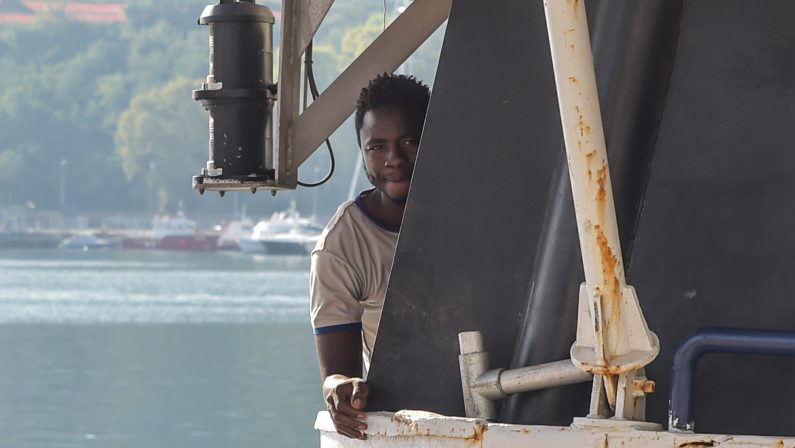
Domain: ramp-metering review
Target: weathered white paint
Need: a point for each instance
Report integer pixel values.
(473, 362)
(426, 430)
(553, 374)
(612, 336)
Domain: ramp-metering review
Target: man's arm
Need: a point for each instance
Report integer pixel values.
(339, 355)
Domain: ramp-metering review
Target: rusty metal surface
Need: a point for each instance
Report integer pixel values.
(418, 429)
(612, 336)
(633, 44)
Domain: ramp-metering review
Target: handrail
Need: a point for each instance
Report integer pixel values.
(716, 340)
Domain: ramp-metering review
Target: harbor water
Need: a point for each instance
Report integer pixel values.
(155, 349)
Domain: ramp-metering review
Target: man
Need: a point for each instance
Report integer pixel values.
(351, 262)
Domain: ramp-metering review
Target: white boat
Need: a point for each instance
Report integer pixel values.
(231, 232)
(285, 233)
(88, 241)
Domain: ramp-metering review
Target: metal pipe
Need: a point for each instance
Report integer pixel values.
(473, 362)
(497, 384)
(612, 335)
(583, 134)
(716, 340)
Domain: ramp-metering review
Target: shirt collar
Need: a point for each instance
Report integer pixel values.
(360, 203)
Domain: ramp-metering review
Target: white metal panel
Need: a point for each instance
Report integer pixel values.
(427, 430)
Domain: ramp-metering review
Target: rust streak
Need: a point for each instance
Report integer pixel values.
(573, 80)
(601, 193)
(610, 263)
(477, 435)
(589, 158)
(699, 444)
(610, 266)
(583, 126)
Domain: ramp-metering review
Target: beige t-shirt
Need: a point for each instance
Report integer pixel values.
(349, 273)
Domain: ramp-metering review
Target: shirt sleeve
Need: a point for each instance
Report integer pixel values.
(335, 292)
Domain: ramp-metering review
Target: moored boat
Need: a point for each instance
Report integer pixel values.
(172, 233)
(231, 232)
(285, 233)
(87, 241)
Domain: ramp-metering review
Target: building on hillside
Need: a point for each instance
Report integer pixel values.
(26, 11)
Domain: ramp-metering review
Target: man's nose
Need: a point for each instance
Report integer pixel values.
(395, 156)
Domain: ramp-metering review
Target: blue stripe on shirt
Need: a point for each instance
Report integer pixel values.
(340, 327)
(360, 204)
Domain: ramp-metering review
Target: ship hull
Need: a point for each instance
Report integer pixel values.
(174, 243)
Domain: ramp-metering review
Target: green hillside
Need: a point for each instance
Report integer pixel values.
(106, 109)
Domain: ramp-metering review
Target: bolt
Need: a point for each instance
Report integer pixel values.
(221, 193)
(643, 387)
(253, 190)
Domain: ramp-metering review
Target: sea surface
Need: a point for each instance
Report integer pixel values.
(155, 349)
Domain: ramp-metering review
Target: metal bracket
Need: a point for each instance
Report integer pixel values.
(482, 386)
(300, 135)
(612, 338)
(473, 362)
(630, 404)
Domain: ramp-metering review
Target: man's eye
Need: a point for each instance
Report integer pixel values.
(375, 148)
(410, 142)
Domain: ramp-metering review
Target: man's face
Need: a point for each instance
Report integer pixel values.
(390, 137)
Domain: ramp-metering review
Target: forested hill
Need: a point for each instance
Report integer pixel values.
(104, 110)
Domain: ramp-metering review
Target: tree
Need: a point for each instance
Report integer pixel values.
(162, 139)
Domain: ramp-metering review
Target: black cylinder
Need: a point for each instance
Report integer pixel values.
(237, 91)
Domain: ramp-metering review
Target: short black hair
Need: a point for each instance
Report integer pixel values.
(392, 90)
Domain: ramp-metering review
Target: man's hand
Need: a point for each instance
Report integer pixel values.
(346, 399)
(339, 356)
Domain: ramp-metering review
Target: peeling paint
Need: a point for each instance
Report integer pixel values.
(477, 435)
(439, 431)
(698, 444)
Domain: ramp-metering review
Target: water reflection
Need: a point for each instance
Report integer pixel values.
(95, 351)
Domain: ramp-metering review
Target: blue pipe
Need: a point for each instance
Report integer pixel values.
(716, 340)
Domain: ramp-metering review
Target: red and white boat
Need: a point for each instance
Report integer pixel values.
(172, 233)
